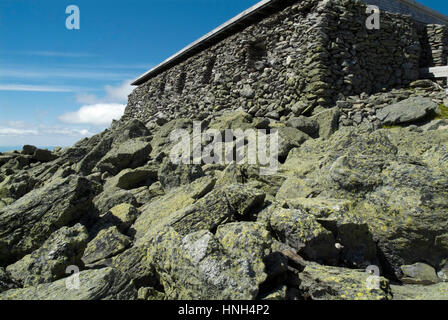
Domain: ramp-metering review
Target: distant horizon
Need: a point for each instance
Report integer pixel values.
(20, 147)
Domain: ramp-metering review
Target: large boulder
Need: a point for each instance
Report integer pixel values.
(172, 175)
(331, 283)
(28, 222)
(196, 266)
(418, 292)
(159, 211)
(129, 154)
(102, 284)
(409, 110)
(397, 183)
(107, 243)
(304, 233)
(48, 263)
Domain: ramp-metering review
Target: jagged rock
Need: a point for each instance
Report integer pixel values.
(87, 154)
(102, 284)
(173, 175)
(305, 124)
(231, 174)
(417, 292)
(107, 243)
(5, 281)
(197, 267)
(332, 283)
(219, 206)
(289, 138)
(28, 222)
(124, 215)
(303, 233)
(245, 239)
(328, 122)
(112, 197)
(131, 179)
(161, 142)
(150, 294)
(130, 154)
(409, 110)
(137, 263)
(419, 273)
(396, 180)
(43, 155)
(156, 213)
(48, 263)
(232, 120)
(29, 150)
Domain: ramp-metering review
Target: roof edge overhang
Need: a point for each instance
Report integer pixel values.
(260, 10)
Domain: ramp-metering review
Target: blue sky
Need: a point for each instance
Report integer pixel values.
(58, 85)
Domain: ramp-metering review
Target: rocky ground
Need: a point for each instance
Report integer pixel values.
(349, 195)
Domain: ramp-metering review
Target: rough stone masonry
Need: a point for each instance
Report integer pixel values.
(309, 53)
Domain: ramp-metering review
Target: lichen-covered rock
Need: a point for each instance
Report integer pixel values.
(28, 222)
(305, 234)
(102, 284)
(396, 181)
(232, 120)
(131, 178)
(112, 197)
(137, 263)
(419, 273)
(305, 124)
(5, 281)
(107, 243)
(130, 154)
(48, 263)
(408, 110)
(245, 239)
(173, 175)
(328, 122)
(159, 212)
(289, 138)
(332, 283)
(124, 216)
(418, 292)
(198, 267)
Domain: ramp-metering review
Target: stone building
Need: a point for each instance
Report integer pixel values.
(286, 57)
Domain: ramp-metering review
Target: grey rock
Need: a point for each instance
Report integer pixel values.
(408, 110)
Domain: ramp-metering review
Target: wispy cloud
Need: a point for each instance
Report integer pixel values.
(62, 74)
(17, 132)
(17, 129)
(57, 54)
(35, 88)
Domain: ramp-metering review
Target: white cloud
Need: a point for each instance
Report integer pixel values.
(96, 114)
(119, 93)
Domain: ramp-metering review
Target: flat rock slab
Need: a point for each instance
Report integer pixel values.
(409, 110)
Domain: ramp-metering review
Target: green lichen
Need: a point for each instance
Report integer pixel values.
(443, 112)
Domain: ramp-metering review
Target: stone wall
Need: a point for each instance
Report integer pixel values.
(434, 41)
(409, 7)
(306, 55)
